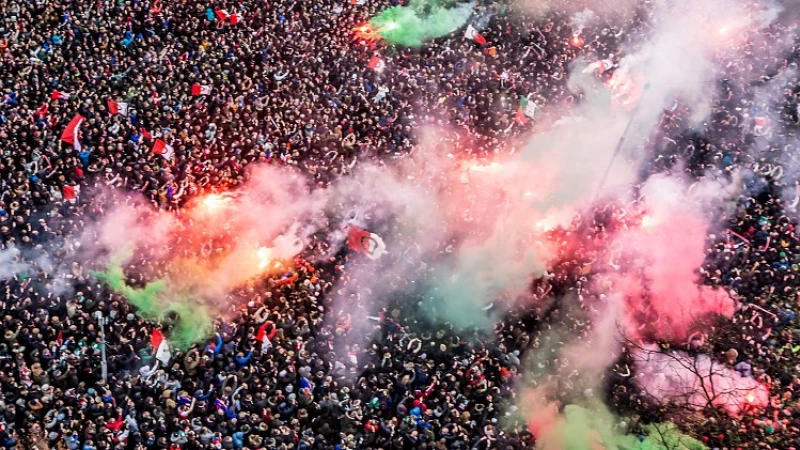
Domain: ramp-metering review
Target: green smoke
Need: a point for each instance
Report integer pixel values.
(588, 428)
(191, 321)
(420, 21)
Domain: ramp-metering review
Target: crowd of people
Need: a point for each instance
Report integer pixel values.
(290, 84)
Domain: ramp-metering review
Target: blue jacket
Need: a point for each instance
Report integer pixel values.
(241, 361)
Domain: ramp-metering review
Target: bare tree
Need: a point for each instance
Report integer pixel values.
(703, 394)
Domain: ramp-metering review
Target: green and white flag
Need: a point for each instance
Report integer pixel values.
(528, 106)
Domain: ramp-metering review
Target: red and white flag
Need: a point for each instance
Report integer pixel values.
(600, 66)
(146, 134)
(162, 148)
(71, 134)
(56, 95)
(376, 63)
(71, 193)
(161, 346)
(363, 241)
(266, 337)
(472, 34)
(115, 107)
(762, 126)
(201, 89)
(235, 18)
(222, 14)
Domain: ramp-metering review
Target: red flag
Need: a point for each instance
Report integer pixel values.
(376, 63)
(354, 237)
(161, 346)
(201, 89)
(472, 34)
(222, 14)
(157, 338)
(363, 241)
(42, 110)
(70, 134)
(264, 337)
(55, 95)
(60, 338)
(235, 18)
(115, 107)
(762, 126)
(71, 193)
(146, 134)
(159, 147)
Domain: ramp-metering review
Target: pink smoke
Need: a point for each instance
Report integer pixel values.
(697, 382)
(662, 254)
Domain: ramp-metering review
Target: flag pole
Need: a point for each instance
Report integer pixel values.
(620, 145)
(103, 362)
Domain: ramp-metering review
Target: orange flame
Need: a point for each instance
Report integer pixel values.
(213, 202)
(576, 41)
(264, 255)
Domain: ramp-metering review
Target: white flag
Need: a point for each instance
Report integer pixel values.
(163, 354)
(169, 153)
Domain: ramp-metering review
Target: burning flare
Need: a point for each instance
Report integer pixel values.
(214, 202)
(264, 255)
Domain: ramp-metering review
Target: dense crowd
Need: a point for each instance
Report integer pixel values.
(290, 84)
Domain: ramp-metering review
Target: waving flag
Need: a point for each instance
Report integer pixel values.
(115, 107)
(42, 110)
(762, 126)
(162, 148)
(527, 109)
(472, 34)
(56, 95)
(160, 344)
(363, 241)
(599, 66)
(264, 337)
(71, 193)
(201, 89)
(376, 63)
(520, 117)
(222, 14)
(71, 133)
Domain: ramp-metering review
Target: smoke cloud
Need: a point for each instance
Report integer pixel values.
(696, 382)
